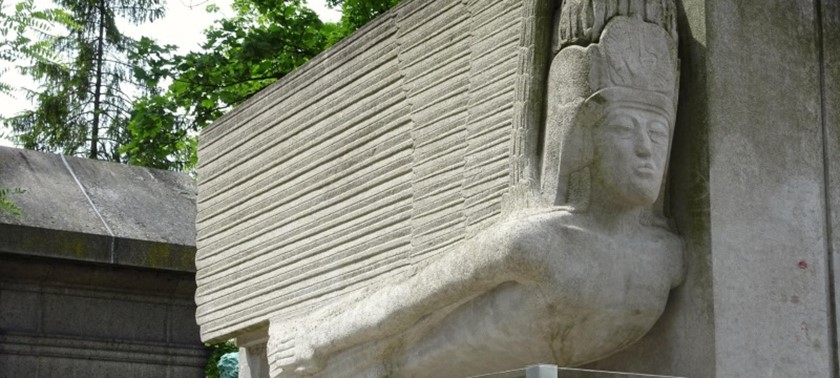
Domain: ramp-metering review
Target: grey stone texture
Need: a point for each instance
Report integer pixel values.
(769, 187)
(285, 227)
(553, 371)
(829, 24)
(591, 263)
(96, 274)
(754, 192)
(363, 165)
(96, 211)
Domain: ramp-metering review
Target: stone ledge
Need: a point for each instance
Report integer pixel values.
(95, 211)
(32, 241)
(78, 348)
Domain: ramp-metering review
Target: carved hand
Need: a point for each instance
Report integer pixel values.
(292, 355)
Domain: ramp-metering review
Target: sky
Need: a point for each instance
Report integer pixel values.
(183, 25)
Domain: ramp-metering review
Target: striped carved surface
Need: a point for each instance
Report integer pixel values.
(380, 153)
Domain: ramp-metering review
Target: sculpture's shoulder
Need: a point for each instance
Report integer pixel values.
(546, 224)
(538, 234)
(667, 247)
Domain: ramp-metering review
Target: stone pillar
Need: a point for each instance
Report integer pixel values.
(253, 362)
(769, 189)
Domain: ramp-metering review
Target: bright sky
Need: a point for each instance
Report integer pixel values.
(183, 25)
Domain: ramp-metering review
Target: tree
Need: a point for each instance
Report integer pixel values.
(261, 43)
(357, 13)
(24, 35)
(104, 99)
(7, 206)
(85, 98)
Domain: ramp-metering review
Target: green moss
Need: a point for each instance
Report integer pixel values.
(78, 248)
(160, 255)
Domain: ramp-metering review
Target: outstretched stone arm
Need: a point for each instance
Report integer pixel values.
(485, 261)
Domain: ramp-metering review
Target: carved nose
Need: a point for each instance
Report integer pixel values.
(642, 145)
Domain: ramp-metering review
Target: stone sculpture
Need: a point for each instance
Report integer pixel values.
(571, 280)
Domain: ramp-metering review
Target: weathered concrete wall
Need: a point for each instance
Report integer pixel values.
(768, 188)
(97, 273)
(95, 211)
(397, 146)
(830, 81)
(68, 319)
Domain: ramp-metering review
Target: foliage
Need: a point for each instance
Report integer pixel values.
(85, 97)
(261, 43)
(102, 93)
(24, 34)
(217, 351)
(356, 13)
(6, 204)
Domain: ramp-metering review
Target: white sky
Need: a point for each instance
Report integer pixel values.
(183, 25)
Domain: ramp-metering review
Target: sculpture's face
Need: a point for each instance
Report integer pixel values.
(631, 148)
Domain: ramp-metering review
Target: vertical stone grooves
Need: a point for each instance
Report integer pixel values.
(240, 143)
(283, 229)
(493, 52)
(306, 182)
(466, 4)
(829, 237)
(238, 179)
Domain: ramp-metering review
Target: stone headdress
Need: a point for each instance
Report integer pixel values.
(629, 56)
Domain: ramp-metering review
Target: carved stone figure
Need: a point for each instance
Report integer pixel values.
(569, 282)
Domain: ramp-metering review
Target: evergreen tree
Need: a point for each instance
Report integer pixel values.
(85, 98)
(102, 98)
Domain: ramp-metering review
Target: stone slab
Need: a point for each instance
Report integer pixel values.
(552, 371)
(96, 211)
(767, 190)
(66, 318)
(830, 28)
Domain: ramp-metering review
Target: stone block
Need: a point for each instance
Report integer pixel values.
(361, 166)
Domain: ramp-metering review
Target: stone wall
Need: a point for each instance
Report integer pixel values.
(60, 318)
(96, 273)
(374, 157)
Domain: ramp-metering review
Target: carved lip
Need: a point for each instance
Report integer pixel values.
(645, 168)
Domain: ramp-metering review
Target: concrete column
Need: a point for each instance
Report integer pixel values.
(253, 360)
(768, 190)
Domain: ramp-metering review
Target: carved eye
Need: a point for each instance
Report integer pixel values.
(622, 126)
(658, 133)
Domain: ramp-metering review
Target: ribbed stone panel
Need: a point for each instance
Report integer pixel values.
(380, 153)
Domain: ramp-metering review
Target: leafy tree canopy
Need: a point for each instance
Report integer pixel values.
(86, 92)
(85, 109)
(24, 34)
(261, 43)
